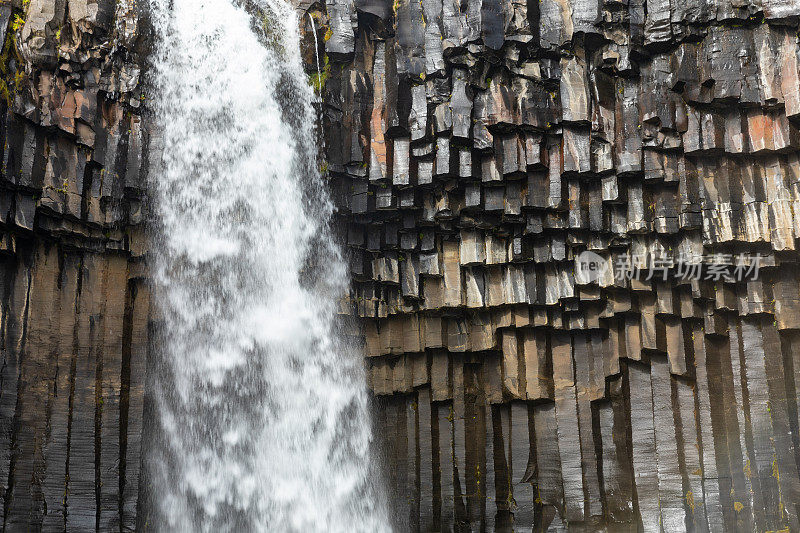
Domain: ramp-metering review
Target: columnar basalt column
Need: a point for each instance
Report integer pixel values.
(479, 150)
(74, 315)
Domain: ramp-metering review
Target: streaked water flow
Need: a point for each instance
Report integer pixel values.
(262, 412)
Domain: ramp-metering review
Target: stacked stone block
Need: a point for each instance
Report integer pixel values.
(74, 314)
(477, 149)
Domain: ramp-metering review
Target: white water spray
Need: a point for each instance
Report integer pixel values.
(263, 411)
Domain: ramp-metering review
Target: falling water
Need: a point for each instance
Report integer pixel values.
(262, 413)
(316, 46)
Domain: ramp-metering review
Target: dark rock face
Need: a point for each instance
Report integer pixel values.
(74, 308)
(478, 148)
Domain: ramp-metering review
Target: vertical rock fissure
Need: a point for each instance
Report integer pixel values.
(15, 424)
(124, 399)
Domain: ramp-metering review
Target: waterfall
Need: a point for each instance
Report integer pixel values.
(316, 47)
(261, 409)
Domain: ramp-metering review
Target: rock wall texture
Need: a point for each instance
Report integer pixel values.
(477, 147)
(73, 319)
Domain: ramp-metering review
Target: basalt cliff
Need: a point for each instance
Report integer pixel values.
(74, 305)
(479, 149)
(476, 151)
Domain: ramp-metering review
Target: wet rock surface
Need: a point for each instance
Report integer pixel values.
(477, 149)
(75, 306)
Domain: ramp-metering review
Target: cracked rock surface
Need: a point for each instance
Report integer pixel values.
(74, 315)
(477, 149)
